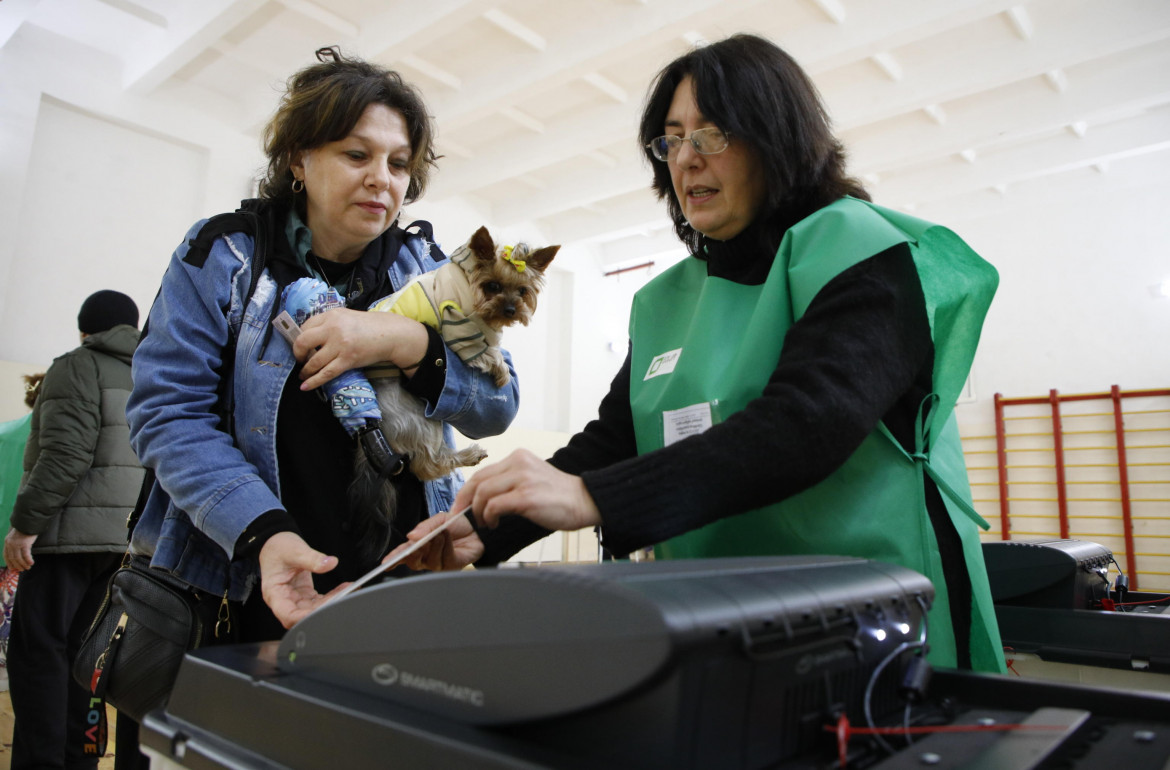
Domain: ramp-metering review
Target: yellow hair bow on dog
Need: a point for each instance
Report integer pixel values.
(519, 264)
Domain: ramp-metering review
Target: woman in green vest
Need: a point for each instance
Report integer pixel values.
(790, 386)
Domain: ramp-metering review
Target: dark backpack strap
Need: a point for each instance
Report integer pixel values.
(424, 227)
(140, 506)
(428, 232)
(199, 247)
(237, 222)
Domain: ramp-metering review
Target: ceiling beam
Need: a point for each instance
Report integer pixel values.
(1118, 26)
(585, 40)
(888, 64)
(586, 187)
(632, 214)
(874, 27)
(513, 27)
(613, 123)
(1047, 192)
(1145, 134)
(432, 71)
(527, 153)
(139, 11)
(523, 119)
(832, 9)
(636, 247)
(194, 28)
(406, 28)
(323, 16)
(1021, 22)
(606, 86)
(1138, 79)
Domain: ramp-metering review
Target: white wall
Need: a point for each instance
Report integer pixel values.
(88, 202)
(96, 214)
(1075, 309)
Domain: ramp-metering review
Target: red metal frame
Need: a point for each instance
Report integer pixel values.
(1123, 480)
(1053, 399)
(1058, 454)
(1005, 514)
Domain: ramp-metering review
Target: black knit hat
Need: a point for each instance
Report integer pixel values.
(104, 310)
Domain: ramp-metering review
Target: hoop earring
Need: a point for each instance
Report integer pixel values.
(298, 189)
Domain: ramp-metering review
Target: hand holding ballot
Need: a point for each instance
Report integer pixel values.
(454, 547)
(521, 484)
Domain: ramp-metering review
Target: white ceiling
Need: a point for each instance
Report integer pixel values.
(941, 103)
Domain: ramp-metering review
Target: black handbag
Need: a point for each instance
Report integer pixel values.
(148, 620)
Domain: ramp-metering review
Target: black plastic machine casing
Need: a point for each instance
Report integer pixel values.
(684, 664)
(1065, 574)
(1048, 598)
(704, 664)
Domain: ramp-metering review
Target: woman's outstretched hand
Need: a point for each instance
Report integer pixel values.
(287, 566)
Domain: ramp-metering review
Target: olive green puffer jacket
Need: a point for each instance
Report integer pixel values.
(81, 478)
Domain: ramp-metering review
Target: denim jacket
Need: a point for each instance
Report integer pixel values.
(211, 485)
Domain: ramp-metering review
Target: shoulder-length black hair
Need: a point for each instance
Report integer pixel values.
(323, 102)
(757, 94)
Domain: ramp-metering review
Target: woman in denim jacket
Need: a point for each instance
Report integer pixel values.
(252, 467)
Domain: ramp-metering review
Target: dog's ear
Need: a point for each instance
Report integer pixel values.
(482, 247)
(540, 258)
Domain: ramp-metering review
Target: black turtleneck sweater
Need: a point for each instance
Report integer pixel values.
(862, 353)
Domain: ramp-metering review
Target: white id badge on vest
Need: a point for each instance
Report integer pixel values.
(678, 424)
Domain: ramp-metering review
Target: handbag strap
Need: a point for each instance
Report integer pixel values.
(100, 732)
(140, 506)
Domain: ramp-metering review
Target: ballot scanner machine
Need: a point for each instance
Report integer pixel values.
(730, 663)
(1054, 599)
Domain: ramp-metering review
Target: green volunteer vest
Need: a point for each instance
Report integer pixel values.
(700, 343)
(13, 439)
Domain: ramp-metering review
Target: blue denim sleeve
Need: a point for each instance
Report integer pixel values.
(172, 411)
(471, 402)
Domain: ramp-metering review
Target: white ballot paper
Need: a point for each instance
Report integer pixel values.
(378, 570)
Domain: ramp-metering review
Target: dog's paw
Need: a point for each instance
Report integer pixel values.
(493, 364)
(501, 377)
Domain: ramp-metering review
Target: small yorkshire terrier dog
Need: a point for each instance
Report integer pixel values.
(469, 300)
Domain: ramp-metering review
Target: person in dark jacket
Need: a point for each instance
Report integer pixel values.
(68, 530)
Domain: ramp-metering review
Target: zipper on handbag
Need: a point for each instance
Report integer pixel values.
(224, 618)
(105, 601)
(100, 666)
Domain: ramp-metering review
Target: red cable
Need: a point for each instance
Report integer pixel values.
(845, 731)
(1011, 662)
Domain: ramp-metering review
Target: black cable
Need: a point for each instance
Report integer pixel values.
(920, 645)
(1121, 584)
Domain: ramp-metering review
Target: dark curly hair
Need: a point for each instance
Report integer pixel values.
(322, 104)
(32, 388)
(757, 94)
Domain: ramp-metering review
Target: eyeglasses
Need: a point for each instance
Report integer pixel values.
(706, 141)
